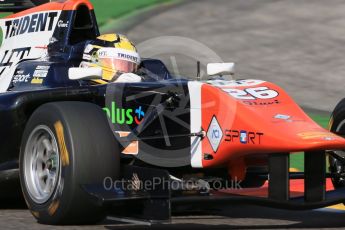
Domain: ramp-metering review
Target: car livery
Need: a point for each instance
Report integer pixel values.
(84, 148)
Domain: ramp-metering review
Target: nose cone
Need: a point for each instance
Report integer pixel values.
(255, 117)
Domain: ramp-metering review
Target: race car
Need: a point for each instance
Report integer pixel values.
(84, 148)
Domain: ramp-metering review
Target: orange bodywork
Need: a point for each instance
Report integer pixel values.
(268, 120)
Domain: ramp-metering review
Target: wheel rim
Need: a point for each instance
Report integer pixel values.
(41, 164)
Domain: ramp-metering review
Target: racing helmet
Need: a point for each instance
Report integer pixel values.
(114, 53)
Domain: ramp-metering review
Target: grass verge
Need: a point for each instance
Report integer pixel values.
(297, 160)
(108, 10)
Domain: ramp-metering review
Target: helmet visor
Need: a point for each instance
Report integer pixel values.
(118, 65)
(119, 60)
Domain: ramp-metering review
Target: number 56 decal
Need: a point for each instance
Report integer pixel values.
(252, 93)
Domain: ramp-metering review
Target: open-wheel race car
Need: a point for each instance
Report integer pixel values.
(84, 148)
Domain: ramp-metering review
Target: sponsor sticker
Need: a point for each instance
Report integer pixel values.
(31, 23)
(21, 78)
(282, 116)
(136, 182)
(286, 118)
(42, 67)
(36, 80)
(119, 53)
(122, 116)
(316, 135)
(132, 148)
(243, 136)
(214, 134)
(86, 57)
(88, 48)
(40, 73)
(262, 103)
(62, 24)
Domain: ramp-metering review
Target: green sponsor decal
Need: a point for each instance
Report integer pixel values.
(124, 116)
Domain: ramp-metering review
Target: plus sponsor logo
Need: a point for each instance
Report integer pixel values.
(32, 23)
(139, 115)
(122, 116)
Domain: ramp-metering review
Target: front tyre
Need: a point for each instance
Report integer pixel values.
(66, 145)
(337, 167)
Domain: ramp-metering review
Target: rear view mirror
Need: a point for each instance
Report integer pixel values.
(85, 73)
(220, 69)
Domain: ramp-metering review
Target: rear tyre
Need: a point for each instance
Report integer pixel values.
(64, 146)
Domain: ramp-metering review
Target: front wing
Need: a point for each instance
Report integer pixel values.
(144, 204)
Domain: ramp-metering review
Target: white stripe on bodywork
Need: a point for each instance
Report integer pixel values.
(194, 88)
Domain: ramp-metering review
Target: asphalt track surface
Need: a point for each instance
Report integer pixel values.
(234, 217)
(298, 44)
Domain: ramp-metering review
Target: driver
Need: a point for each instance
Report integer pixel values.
(116, 55)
